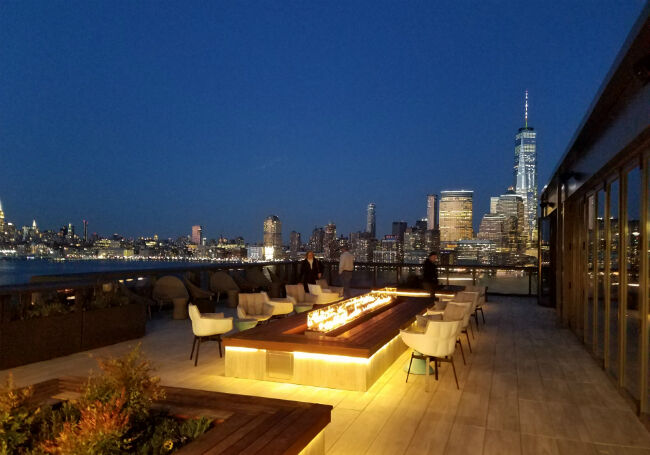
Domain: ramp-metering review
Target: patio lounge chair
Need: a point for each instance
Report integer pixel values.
(207, 326)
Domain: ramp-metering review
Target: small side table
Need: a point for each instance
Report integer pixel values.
(302, 308)
(245, 324)
(418, 366)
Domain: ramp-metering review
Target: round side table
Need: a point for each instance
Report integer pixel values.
(245, 324)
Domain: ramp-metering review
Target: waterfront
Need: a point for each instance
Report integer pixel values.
(18, 271)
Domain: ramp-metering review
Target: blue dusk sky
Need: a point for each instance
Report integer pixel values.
(148, 117)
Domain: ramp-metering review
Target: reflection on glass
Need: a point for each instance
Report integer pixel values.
(614, 247)
(589, 313)
(633, 257)
(600, 277)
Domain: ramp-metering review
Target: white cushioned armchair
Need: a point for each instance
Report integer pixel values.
(329, 288)
(302, 301)
(207, 326)
(323, 295)
(257, 306)
(437, 343)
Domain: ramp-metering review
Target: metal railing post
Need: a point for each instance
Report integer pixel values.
(374, 276)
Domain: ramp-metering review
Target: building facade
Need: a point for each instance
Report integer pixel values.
(456, 215)
(272, 238)
(595, 225)
(371, 220)
(197, 234)
(432, 211)
(525, 177)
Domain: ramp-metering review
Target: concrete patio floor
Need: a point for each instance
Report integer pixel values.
(529, 387)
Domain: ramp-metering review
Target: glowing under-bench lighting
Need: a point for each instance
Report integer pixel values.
(241, 349)
(330, 358)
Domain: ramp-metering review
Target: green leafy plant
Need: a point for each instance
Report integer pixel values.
(16, 417)
(108, 300)
(101, 429)
(131, 374)
(114, 415)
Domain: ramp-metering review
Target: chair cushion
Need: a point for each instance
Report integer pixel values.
(454, 312)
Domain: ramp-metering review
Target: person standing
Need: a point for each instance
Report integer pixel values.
(346, 267)
(430, 275)
(311, 270)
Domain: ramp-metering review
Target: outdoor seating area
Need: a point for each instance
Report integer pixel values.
(529, 387)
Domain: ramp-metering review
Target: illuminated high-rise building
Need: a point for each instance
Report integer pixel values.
(511, 206)
(2, 219)
(432, 211)
(316, 240)
(525, 176)
(272, 237)
(371, 220)
(456, 215)
(294, 244)
(85, 231)
(197, 234)
(493, 228)
(494, 200)
(330, 244)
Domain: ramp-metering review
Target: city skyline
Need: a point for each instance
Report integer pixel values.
(198, 125)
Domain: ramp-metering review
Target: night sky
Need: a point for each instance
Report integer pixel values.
(149, 117)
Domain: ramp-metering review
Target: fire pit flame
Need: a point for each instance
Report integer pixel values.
(339, 314)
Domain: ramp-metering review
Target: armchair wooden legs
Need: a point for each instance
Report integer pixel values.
(216, 338)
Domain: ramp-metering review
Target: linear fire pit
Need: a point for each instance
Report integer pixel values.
(346, 345)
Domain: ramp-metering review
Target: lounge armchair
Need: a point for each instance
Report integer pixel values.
(136, 298)
(207, 326)
(171, 289)
(324, 296)
(436, 343)
(243, 283)
(482, 298)
(255, 306)
(221, 282)
(472, 298)
(196, 292)
(256, 277)
(302, 301)
(466, 313)
(329, 288)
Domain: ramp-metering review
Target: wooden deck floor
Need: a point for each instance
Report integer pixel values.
(528, 388)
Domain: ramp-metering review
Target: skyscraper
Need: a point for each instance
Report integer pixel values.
(432, 211)
(197, 234)
(272, 237)
(85, 231)
(494, 200)
(399, 228)
(316, 240)
(456, 215)
(511, 206)
(330, 245)
(371, 221)
(294, 244)
(525, 176)
(2, 219)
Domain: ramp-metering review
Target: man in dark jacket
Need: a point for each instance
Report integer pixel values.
(430, 274)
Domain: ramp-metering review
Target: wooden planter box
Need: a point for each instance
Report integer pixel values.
(112, 325)
(34, 340)
(243, 424)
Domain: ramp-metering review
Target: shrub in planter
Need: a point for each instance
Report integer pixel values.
(113, 415)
